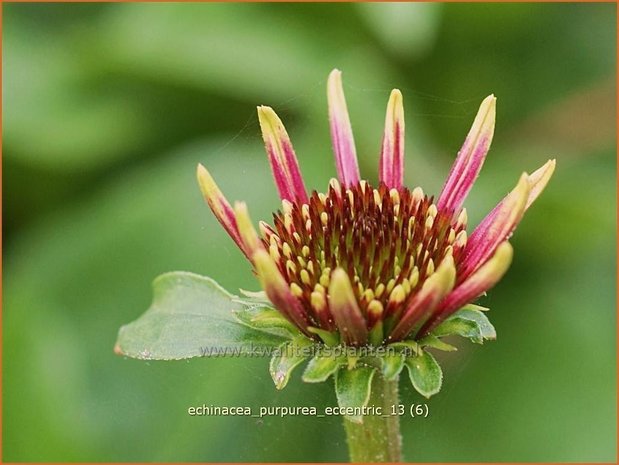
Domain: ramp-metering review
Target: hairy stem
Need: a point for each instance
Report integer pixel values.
(378, 438)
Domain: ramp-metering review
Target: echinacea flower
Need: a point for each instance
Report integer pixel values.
(370, 265)
(361, 280)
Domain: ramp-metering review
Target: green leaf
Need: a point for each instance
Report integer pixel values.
(407, 347)
(353, 387)
(432, 341)
(190, 316)
(322, 366)
(485, 327)
(455, 326)
(392, 365)
(265, 318)
(469, 323)
(425, 374)
(288, 356)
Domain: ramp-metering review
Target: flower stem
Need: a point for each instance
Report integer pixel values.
(378, 438)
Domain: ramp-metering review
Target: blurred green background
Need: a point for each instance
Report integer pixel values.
(107, 109)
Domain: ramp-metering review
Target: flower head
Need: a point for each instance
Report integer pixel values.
(362, 264)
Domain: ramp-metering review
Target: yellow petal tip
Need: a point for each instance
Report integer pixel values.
(334, 74)
(271, 126)
(396, 94)
(490, 101)
(247, 231)
(538, 179)
(206, 182)
(334, 84)
(264, 110)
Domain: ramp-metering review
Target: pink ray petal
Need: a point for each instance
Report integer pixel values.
(487, 235)
(470, 158)
(495, 228)
(219, 206)
(426, 300)
(278, 292)
(391, 169)
(341, 131)
(537, 182)
(281, 155)
(474, 286)
(345, 309)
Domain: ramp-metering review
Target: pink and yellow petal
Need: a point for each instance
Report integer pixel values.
(219, 205)
(345, 309)
(282, 157)
(341, 131)
(470, 158)
(421, 306)
(495, 228)
(475, 285)
(391, 169)
(278, 291)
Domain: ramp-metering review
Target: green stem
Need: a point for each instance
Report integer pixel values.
(378, 438)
